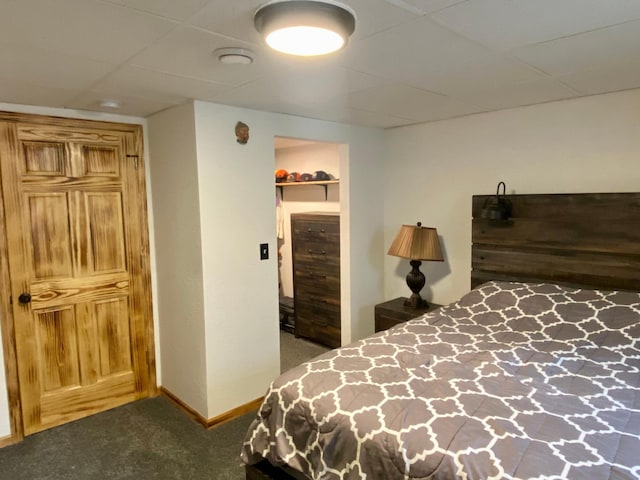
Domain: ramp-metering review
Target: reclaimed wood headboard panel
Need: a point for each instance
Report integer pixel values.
(585, 239)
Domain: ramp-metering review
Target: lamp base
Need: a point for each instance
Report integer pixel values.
(416, 301)
(415, 282)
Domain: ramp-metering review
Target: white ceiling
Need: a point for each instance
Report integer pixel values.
(409, 61)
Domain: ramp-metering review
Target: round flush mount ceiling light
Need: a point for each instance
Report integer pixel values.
(305, 27)
(234, 56)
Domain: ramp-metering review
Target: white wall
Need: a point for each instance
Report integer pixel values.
(305, 198)
(238, 213)
(5, 427)
(589, 144)
(180, 293)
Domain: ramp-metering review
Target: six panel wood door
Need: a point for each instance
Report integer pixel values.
(75, 242)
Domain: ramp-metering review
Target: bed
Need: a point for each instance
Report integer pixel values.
(535, 373)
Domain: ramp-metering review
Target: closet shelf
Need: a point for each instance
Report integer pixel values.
(320, 183)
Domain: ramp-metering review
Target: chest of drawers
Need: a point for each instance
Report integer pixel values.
(315, 241)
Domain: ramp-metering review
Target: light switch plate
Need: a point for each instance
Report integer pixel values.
(264, 251)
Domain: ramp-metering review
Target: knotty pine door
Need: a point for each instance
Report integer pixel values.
(77, 248)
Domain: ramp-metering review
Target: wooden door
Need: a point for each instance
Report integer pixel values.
(77, 244)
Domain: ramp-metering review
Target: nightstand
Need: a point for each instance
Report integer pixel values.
(394, 312)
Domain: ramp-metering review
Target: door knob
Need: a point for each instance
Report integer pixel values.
(24, 298)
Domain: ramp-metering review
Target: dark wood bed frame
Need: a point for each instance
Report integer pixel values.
(587, 239)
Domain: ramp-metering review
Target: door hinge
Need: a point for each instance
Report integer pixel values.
(137, 157)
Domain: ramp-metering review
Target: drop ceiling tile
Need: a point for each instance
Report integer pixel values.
(50, 69)
(354, 116)
(156, 86)
(260, 94)
(509, 24)
(319, 83)
(91, 29)
(608, 47)
(303, 88)
(367, 119)
(500, 24)
(424, 6)
(406, 54)
(479, 74)
(231, 18)
(179, 10)
(25, 93)
(411, 103)
(129, 105)
(539, 91)
(337, 111)
(373, 16)
(188, 52)
(603, 80)
(582, 15)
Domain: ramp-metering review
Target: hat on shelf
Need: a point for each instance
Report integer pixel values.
(293, 177)
(321, 175)
(281, 175)
(306, 177)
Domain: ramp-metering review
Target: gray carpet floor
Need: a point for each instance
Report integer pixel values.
(147, 439)
(294, 351)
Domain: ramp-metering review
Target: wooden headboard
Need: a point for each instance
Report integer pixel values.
(586, 239)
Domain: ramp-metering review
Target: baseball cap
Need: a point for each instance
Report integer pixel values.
(281, 175)
(321, 175)
(293, 177)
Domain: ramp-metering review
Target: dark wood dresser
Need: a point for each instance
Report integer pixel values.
(394, 311)
(315, 240)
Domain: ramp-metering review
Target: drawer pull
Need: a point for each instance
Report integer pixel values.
(319, 323)
(310, 230)
(317, 252)
(317, 275)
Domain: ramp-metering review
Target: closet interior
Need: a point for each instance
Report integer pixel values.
(307, 180)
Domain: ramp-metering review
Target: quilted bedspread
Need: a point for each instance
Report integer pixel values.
(512, 381)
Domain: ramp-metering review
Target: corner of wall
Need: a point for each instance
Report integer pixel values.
(180, 291)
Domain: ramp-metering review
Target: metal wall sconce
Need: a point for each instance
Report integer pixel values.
(497, 208)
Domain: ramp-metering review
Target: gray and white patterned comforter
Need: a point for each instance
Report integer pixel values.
(512, 381)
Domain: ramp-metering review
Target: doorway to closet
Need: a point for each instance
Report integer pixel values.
(312, 186)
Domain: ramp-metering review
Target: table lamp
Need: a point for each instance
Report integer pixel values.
(417, 244)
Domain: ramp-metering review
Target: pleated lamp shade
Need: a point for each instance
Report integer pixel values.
(416, 242)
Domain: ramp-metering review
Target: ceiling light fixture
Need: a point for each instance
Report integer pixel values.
(234, 56)
(306, 28)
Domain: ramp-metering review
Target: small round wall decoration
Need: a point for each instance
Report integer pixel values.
(242, 133)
